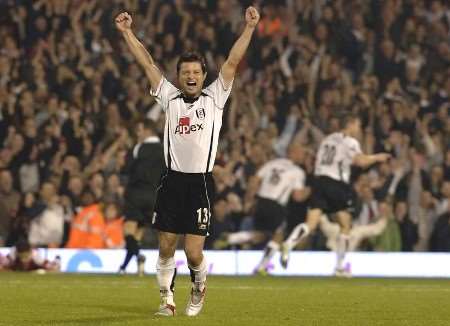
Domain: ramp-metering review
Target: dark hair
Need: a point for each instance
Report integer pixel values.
(347, 118)
(148, 124)
(191, 57)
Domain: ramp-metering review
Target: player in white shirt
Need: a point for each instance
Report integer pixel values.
(274, 184)
(331, 191)
(193, 122)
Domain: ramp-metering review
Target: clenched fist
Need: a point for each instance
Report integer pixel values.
(383, 157)
(251, 16)
(123, 21)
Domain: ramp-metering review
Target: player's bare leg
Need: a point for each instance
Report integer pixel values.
(299, 233)
(271, 248)
(234, 238)
(345, 222)
(166, 272)
(197, 265)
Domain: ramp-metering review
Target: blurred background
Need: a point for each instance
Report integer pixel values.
(71, 92)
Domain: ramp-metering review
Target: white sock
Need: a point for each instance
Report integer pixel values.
(240, 237)
(342, 248)
(198, 275)
(271, 248)
(297, 234)
(165, 274)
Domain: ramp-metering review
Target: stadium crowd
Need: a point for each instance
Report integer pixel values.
(70, 94)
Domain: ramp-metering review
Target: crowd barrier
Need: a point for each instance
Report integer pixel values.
(243, 262)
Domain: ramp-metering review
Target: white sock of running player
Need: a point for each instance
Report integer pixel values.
(198, 275)
(165, 274)
(271, 248)
(240, 237)
(342, 248)
(297, 234)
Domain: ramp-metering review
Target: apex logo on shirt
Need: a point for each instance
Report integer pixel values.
(184, 126)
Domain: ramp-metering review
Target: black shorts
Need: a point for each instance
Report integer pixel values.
(268, 215)
(138, 206)
(332, 196)
(296, 214)
(183, 203)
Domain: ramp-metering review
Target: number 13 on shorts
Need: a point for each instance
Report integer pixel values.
(203, 217)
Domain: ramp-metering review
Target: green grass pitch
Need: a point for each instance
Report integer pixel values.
(31, 299)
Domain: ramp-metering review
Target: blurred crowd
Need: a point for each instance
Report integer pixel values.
(70, 93)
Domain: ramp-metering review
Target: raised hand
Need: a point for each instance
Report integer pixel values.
(123, 21)
(251, 16)
(383, 157)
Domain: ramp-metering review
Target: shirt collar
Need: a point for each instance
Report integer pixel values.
(151, 139)
(189, 99)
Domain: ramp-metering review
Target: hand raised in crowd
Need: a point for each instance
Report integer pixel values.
(123, 21)
(383, 157)
(251, 16)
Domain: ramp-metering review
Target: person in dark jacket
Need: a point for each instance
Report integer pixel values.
(145, 164)
(440, 237)
(408, 229)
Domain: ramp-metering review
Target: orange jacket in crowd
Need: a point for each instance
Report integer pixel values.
(90, 231)
(270, 27)
(114, 233)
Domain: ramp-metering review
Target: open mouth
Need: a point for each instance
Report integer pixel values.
(191, 83)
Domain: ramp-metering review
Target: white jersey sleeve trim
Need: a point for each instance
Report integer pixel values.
(164, 93)
(219, 92)
(156, 92)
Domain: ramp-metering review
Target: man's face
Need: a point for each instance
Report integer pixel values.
(297, 154)
(355, 128)
(191, 78)
(6, 181)
(141, 133)
(76, 185)
(47, 191)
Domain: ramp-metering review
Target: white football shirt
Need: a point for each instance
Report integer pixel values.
(335, 156)
(279, 177)
(191, 132)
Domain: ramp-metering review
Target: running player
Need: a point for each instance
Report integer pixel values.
(331, 191)
(277, 181)
(193, 122)
(145, 165)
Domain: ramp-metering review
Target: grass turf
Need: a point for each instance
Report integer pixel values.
(31, 299)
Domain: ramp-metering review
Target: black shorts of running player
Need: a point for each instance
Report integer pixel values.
(296, 214)
(183, 203)
(332, 196)
(269, 215)
(138, 206)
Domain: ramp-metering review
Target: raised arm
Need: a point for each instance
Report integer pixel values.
(123, 24)
(364, 160)
(240, 46)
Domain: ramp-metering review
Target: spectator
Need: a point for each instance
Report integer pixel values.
(408, 229)
(9, 205)
(114, 238)
(87, 228)
(47, 227)
(390, 238)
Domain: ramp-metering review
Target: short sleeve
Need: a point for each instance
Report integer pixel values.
(354, 148)
(263, 170)
(219, 92)
(300, 180)
(164, 92)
